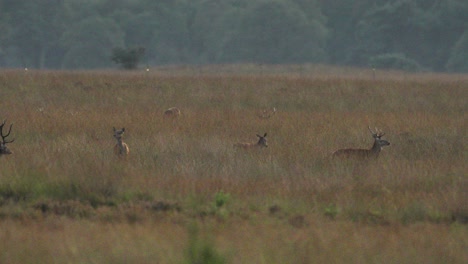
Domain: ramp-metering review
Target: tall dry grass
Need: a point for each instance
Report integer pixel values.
(285, 202)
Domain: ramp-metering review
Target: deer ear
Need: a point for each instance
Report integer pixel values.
(123, 129)
(259, 136)
(114, 129)
(265, 134)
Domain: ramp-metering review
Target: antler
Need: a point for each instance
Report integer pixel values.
(378, 133)
(4, 136)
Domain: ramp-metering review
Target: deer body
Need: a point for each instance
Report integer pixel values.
(172, 112)
(262, 142)
(121, 148)
(373, 152)
(4, 150)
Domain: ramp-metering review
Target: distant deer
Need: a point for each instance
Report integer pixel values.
(121, 148)
(262, 142)
(3, 148)
(172, 112)
(373, 152)
(267, 113)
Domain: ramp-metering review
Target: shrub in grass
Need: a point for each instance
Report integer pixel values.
(221, 199)
(331, 211)
(200, 250)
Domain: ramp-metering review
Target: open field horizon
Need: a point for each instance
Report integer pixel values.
(64, 196)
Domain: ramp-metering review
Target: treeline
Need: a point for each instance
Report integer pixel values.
(415, 35)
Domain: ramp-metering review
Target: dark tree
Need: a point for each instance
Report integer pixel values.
(129, 58)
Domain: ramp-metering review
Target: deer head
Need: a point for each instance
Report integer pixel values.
(262, 141)
(379, 142)
(119, 133)
(3, 147)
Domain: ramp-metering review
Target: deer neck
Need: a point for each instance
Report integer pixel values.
(376, 148)
(120, 143)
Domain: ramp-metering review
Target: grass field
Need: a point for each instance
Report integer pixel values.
(185, 195)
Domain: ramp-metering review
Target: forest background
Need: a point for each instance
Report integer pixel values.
(413, 35)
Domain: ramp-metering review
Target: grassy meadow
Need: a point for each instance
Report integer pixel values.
(185, 195)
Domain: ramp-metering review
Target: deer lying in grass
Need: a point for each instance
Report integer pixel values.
(262, 142)
(373, 152)
(267, 113)
(121, 148)
(172, 112)
(3, 148)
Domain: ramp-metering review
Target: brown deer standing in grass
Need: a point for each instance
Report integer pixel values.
(172, 112)
(373, 152)
(3, 148)
(121, 148)
(262, 142)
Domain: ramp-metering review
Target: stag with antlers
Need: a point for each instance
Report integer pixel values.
(373, 152)
(4, 150)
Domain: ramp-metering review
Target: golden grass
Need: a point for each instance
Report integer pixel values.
(65, 197)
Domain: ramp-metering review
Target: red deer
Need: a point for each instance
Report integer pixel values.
(121, 148)
(262, 142)
(373, 152)
(172, 112)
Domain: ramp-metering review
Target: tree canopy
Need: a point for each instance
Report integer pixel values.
(414, 35)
